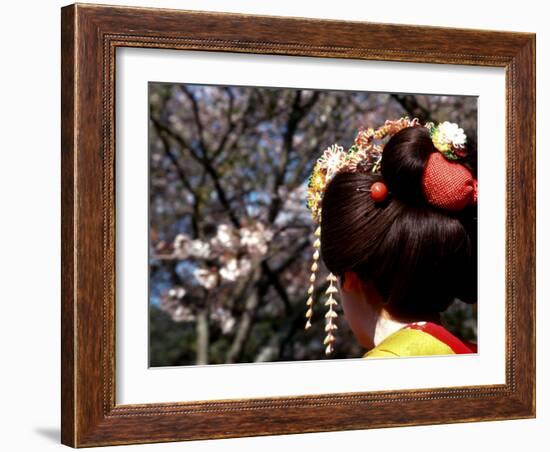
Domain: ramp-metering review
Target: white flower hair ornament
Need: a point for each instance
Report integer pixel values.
(448, 139)
(365, 155)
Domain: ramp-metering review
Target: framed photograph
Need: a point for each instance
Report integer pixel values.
(283, 225)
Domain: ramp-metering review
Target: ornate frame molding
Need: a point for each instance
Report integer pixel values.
(90, 36)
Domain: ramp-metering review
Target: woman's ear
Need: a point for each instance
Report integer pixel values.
(349, 281)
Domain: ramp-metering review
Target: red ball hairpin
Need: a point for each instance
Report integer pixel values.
(378, 191)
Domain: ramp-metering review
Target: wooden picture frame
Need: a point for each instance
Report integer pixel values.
(90, 36)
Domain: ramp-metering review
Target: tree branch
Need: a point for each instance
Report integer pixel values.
(203, 336)
(230, 124)
(196, 114)
(410, 104)
(184, 180)
(245, 323)
(297, 113)
(207, 165)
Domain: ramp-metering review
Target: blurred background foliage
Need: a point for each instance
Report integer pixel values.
(230, 234)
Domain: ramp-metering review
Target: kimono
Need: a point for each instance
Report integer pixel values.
(420, 339)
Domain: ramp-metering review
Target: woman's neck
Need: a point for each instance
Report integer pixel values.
(386, 326)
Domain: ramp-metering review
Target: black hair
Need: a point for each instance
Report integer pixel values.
(419, 258)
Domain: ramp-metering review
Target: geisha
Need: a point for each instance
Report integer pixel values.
(397, 220)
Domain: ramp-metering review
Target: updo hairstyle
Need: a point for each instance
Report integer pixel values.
(418, 257)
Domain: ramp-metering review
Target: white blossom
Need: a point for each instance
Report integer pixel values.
(225, 237)
(230, 271)
(171, 304)
(182, 314)
(224, 318)
(245, 265)
(256, 238)
(206, 278)
(200, 249)
(254, 241)
(181, 246)
(452, 134)
(177, 292)
(235, 268)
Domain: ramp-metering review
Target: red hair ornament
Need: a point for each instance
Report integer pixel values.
(447, 184)
(378, 191)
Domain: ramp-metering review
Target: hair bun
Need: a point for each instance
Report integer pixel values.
(448, 185)
(403, 161)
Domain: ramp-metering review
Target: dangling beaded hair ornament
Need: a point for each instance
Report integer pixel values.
(446, 183)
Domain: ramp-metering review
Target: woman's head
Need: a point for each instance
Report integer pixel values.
(417, 257)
